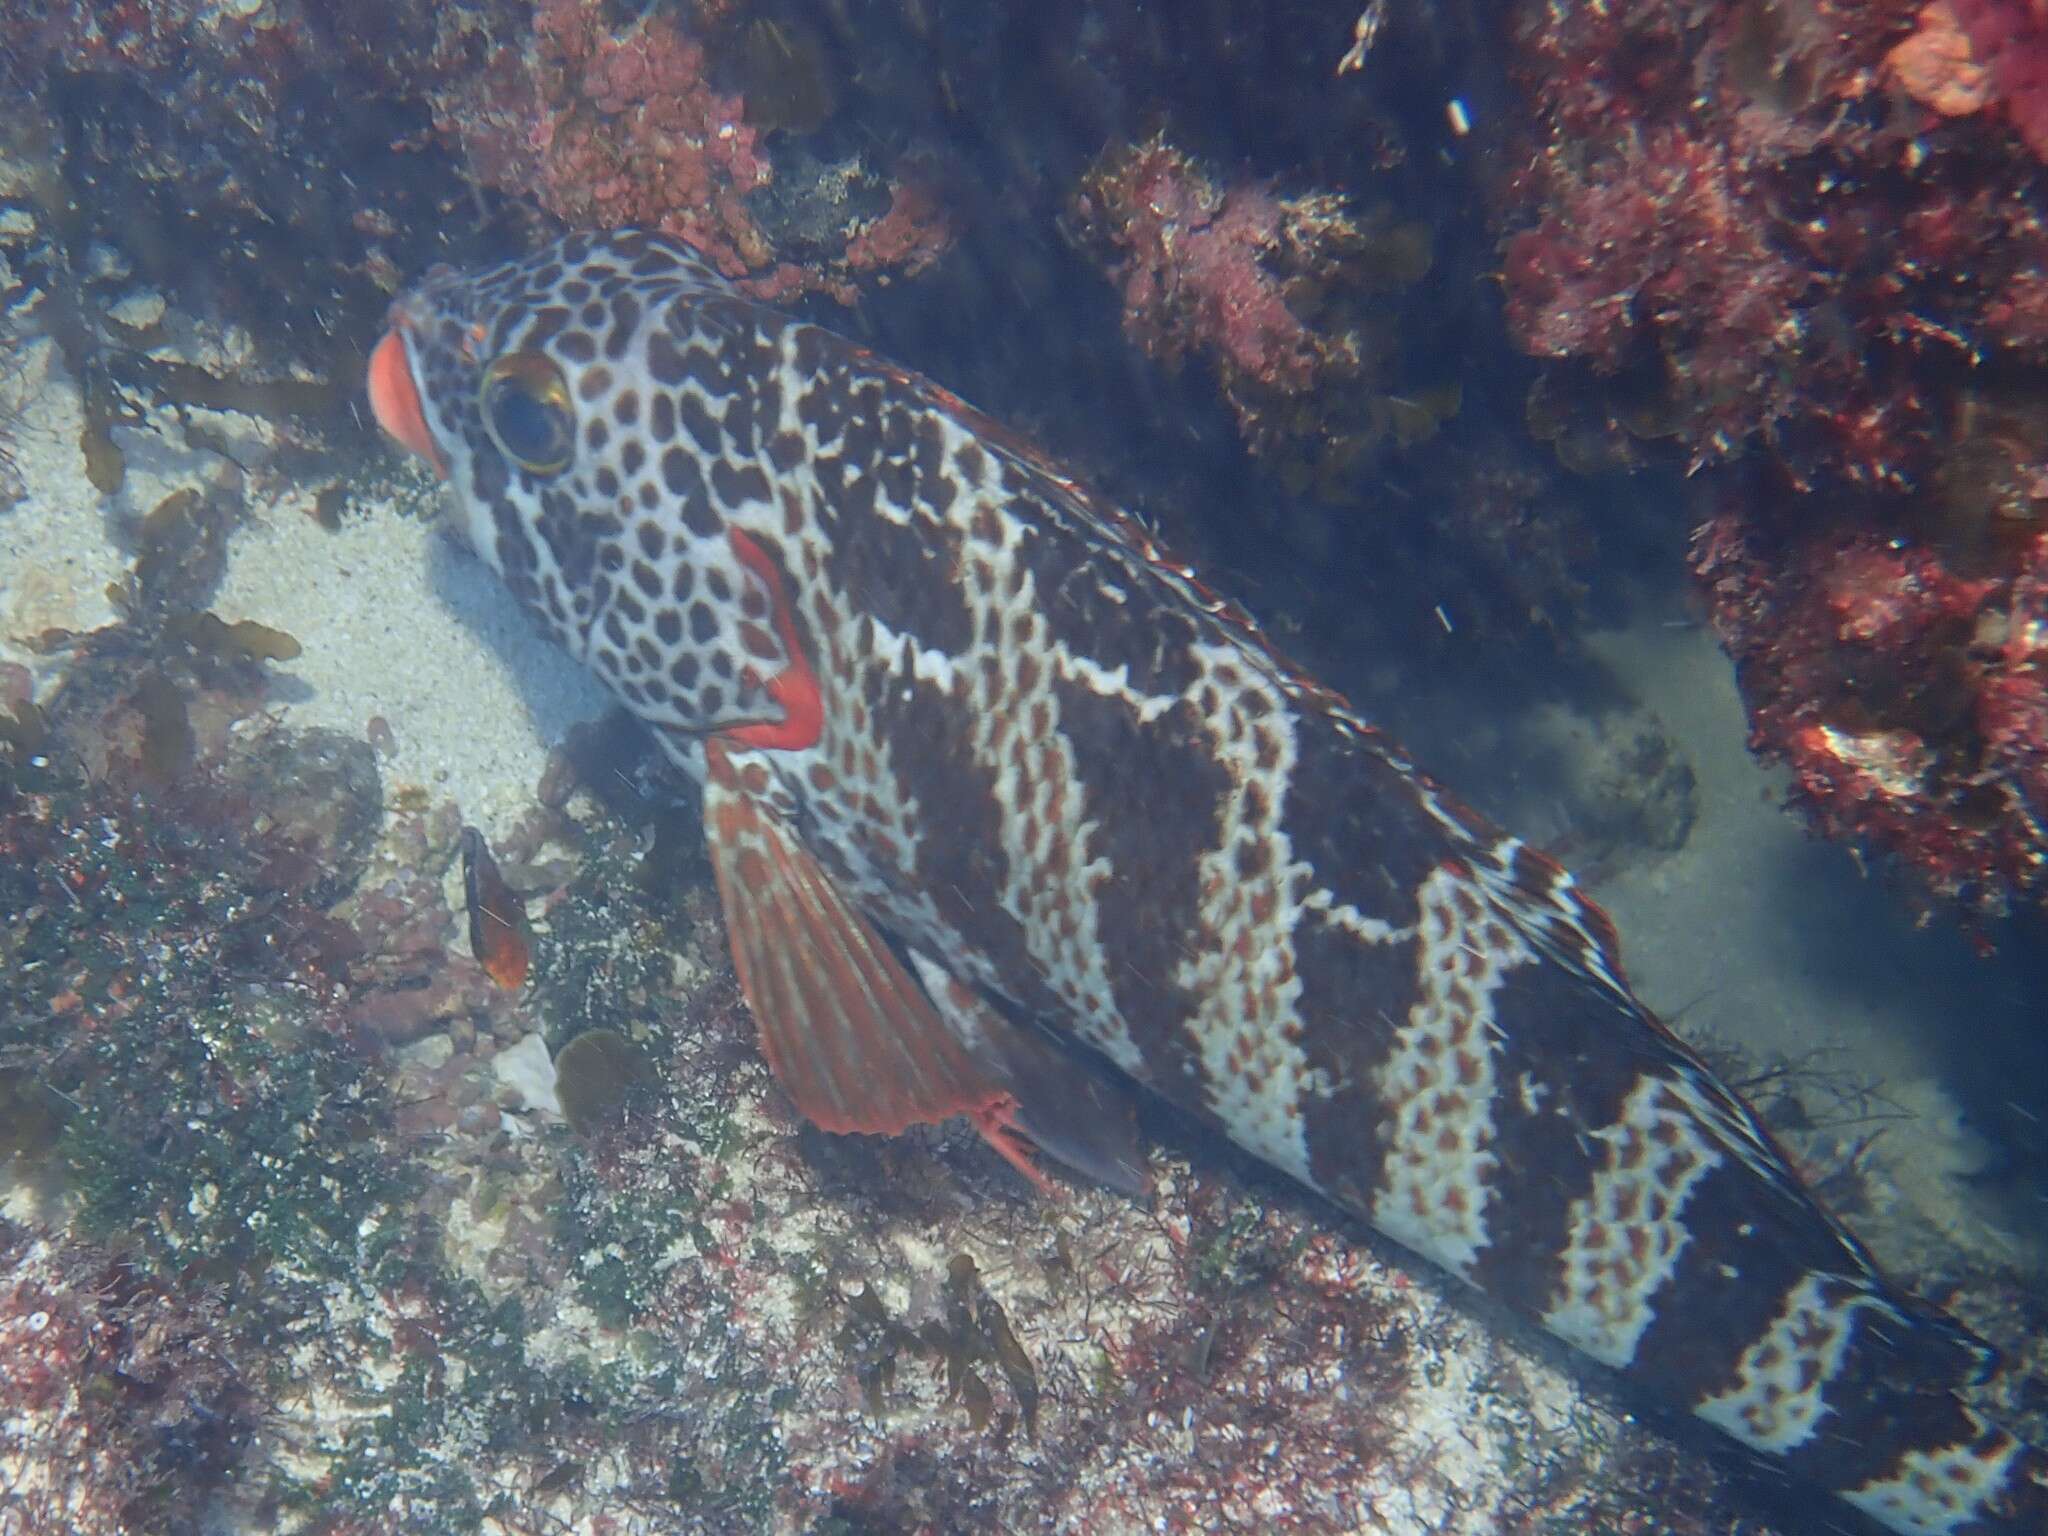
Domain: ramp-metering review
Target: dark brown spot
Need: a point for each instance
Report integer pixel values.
(679, 473)
(665, 359)
(736, 487)
(625, 321)
(701, 424)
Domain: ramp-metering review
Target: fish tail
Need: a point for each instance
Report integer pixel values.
(1854, 1388)
(1547, 1139)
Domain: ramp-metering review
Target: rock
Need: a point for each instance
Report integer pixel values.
(526, 1077)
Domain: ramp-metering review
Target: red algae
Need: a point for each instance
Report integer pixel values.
(1196, 268)
(1725, 210)
(1283, 296)
(610, 125)
(1907, 700)
(1802, 239)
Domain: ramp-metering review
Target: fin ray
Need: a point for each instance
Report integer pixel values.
(846, 1030)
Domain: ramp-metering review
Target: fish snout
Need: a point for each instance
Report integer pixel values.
(395, 396)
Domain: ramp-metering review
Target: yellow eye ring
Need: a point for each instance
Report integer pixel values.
(525, 404)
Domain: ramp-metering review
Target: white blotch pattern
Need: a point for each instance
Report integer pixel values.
(1934, 1493)
(1780, 1393)
(1439, 1081)
(1243, 978)
(1628, 1231)
(1051, 877)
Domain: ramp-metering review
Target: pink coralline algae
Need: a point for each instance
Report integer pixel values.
(1761, 227)
(1278, 294)
(1662, 244)
(632, 132)
(1195, 269)
(607, 126)
(1909, 701)
(2009, 39)
(1938, 67)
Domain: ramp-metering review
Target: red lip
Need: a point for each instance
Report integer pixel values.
(396, 401)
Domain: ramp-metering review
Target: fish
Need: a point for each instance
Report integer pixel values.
(500, 937)
(1008, 810)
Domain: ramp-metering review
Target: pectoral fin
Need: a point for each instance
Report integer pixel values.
(847, 1032)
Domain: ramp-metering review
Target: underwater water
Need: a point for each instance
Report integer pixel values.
(619, 915)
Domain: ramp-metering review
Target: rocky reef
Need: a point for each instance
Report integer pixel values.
(1805, 245)
(1427, 331)
(355, 1238)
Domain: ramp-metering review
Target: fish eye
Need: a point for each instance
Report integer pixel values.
(525, 403)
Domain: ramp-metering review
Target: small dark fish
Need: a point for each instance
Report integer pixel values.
(498, 934)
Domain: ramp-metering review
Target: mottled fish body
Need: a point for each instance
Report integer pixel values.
(938, 693)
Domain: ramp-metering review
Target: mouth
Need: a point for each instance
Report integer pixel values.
(395, 399)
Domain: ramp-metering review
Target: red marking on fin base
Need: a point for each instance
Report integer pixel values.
(999, 1128)
(846, 1030)
(795, 688)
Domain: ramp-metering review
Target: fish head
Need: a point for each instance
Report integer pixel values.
(495, 375)
(570, 399)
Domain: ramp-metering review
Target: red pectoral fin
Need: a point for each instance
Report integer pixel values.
(846, 1030)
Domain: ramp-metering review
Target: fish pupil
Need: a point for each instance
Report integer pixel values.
(531, 430)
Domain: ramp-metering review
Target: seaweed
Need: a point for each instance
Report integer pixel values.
(974, 1332)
